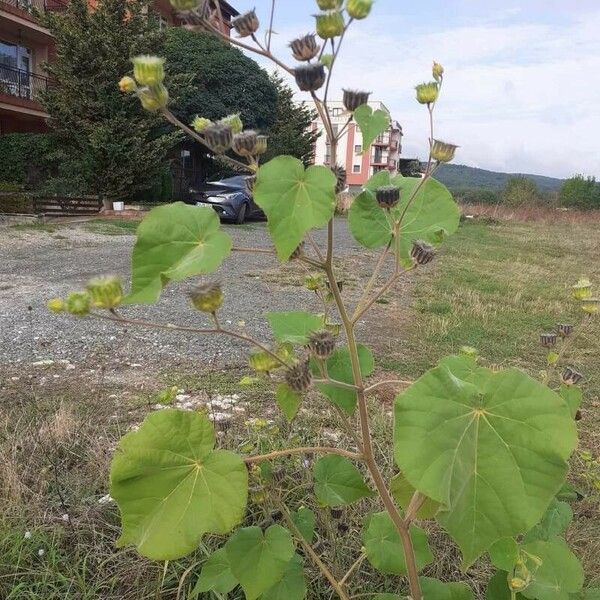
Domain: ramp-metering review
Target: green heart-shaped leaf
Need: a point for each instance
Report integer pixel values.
(338, 482)
(294, 327)
(292, 585)
(493, 449)
(294, 199)
(437, 590)
(175, 241)
(304, 519)
(498, 589)
(554, 522)
(384, 548)
(216, 575)
(172, 487)
(403, 493)
(288, 401)
(371, 123)
(572, 396)
(259, 561)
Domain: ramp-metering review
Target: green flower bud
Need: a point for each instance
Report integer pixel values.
(207, 297)
(516, 584)
(127, 84)
(78, 303)
(56, 305)
(326, 60)
(199, 124)
(244, 143)
(262, 143)
(354, 98)
(443, 152)
(154, 98)
(582, 289)
(246, 24)
(359, 9)
(437, 70)
(105, 292)
(427, 93)
(234, 121)
(148, 70)
(310, 77)
(314, 282)
(185, 5)
(305, 48)
(330, 24)
(329, 4)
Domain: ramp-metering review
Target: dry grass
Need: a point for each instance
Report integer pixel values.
(528, 214)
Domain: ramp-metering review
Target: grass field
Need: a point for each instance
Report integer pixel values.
(495, 286)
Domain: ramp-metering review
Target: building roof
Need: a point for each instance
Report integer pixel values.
(229, 8)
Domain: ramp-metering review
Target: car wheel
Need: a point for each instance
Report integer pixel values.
(241, 216)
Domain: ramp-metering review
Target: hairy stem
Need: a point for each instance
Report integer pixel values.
(306, 450)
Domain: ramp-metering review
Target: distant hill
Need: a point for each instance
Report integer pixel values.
(461, 177)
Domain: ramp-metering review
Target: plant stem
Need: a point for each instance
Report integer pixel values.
(373, 387)
(307, 450)
(353, 568)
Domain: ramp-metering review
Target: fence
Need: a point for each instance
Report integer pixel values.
(31, 6)
(49, 206)
(21, 84)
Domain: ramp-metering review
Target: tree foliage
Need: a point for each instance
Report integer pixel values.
(520, 191)
(580, 192)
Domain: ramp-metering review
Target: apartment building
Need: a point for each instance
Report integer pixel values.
(384, 152)
(25, 45)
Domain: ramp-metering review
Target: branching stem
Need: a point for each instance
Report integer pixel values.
(307, 450)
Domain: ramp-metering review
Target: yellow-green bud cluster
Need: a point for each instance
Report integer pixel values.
(149, 73)
(56, 305)
(148, 70)
(359, 9)
(582, 290)
(234, 121)
(330, 24)
(78, 304)
(437, 71)
(329, 4)
(105, 292)
(199, 124)
(427, 93)
(207, 297)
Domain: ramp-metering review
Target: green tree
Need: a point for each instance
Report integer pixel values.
(580, 192)
(520, 191)
(120, 148)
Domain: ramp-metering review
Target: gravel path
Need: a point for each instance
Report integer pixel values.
(37, 265)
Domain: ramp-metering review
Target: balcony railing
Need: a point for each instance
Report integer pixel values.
(21, 84)
(32, 6)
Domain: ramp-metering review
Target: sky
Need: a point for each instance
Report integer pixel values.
(521, 90)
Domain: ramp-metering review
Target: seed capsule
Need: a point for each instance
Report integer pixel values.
(336, 513)
(127, 84)
(78, 303)
(340, 176)
(387, 196)
(329, 4)
(582, 289)
(359, 9)
(591, 306)
(106, 292)
(154, 98)
(298, 377)
(199, 124)
(548, 340)
(246, 24)
(422, 253)
(56, 305)
(427, 93)
(207, 297)
(343, 528)
(443, 152)
(305, 48)
(250, 183)
(564, 329)
(148, 70)
(244, 143)
(218, 137)
(437, 71)
(310, 77)
(330, 24)
(578, 415)
(262, 144)
(355, 98)
(234, 121)
(570, 376)
(321, 344)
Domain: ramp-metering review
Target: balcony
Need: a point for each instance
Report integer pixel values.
(33, 6)
(22, 85)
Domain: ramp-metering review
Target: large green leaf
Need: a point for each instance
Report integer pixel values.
(560, 573)
(403, 493)
(504, 553)
(384, 548)
(430, 216)
(175, 241)
(304, 519)
(372, 124)
(339, 367)
(288, 401)
(554, 522)
(573, 397)
(492, 448)
(498, 589)
(338, 482)
(216, 575)
(292, 586)
(294, 199)
(437, 590)
(259, 560)
(172, 487)
(294, 327)
(388, 597)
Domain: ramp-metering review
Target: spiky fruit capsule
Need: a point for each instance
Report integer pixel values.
(582, 289)
(246, 24)
(564, 329)
(330, 24)
(298, 377)
(78, 303)
(321, 344)
(244, 143)
(298, 252)
(355, 98)
(359, 9)
(591, 306)
(570, 376)
(329, 4)
(56, 305)
(185, 5)
(106, 292)
(207, 297)
(548, 340)
(422, 253)
(336, 513)
(443, 152)
(427, 93)
(314, 282)
(199, 124)
(387, 196)
(305, 48)
(310, 77)
(127, 84)
(234, 121)
(437, 71)
(262, 144)
(340, 177)
(148, 70)
(218, 137)
(154, 98)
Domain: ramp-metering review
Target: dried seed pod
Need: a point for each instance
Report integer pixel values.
(262, 144)
(340, 176)
(244, 143)
(422, 252)
(298, 252)
(305, 48)
(234, 121)
(321, 344)
(310, 77)
(250, 183)
(578, 415)
(564, 329)
(246, 24)
(207, 297)
(218, 137)
(355, 98)
(570, 376)
(336, 513)
(298, 377)
(387, 196)
(548, 340)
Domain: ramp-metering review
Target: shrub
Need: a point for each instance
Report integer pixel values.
(520, 191)
(580, 192)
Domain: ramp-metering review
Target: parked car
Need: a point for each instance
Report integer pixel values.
(229, 198)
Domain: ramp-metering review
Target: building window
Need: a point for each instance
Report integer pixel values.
(16, 57)
(356, 168)
(357, 149)
(336, 112)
